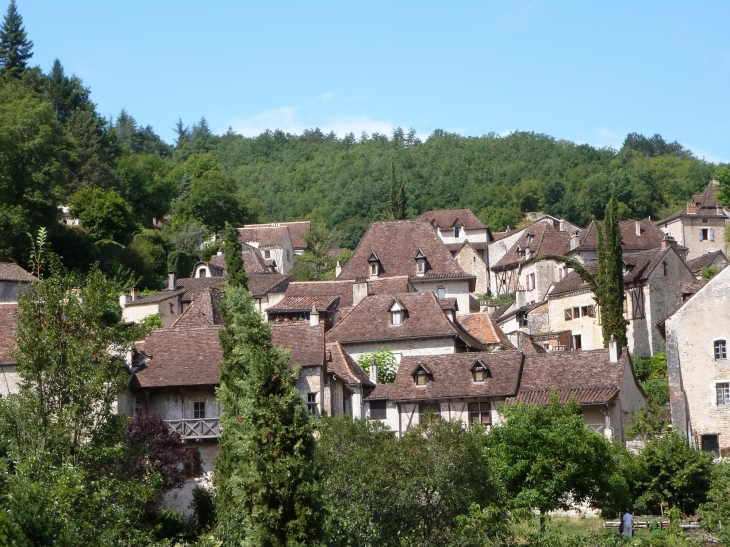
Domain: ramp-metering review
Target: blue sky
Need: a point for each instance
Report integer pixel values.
(585, 71)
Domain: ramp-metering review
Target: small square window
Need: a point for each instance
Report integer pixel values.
(480, 375)
(711, 443)
(312, 403)
(198, 410)
(441, 292)
(480, 413)
(378, 410)
(705, 221)
(723, 393)
(720, 349)
(429, 413)
(421, 378)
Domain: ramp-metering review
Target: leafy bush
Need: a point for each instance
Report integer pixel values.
(385, 360)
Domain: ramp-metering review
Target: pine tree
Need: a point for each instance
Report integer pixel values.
(610, 275)
(15, 48)
(235, 271)
(265, 473)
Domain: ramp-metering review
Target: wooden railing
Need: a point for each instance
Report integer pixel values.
(206, 428)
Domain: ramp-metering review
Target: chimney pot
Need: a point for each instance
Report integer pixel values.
(338, 269)
(638, 227)
(373, 372)
(520, 297)
(171, 281)
(614, 349)
(314, 317)
(134, 294)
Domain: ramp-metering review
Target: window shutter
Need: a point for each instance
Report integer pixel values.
(700, 234)
(712, 234)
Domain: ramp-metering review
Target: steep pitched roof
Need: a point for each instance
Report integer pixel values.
(370, 321)
(305, 304)
(587, 375)
(529, 347)
(650, 238)
(446, 219)
(264, 235)
(253, 262)
(296, 230)
(8, 327)
(266, 283)
(191, 287)
(395, 245)
(305, 342)
(180, 357)
(705, 261)
(341, 363)
(337, 288)
(13, 272)
(451, 377)
(538, 239)
(203, 312)
(482, 327)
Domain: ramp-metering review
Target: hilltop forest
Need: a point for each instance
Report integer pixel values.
(143, 201)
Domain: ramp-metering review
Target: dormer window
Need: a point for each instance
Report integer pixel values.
(421, 375)
(479, 372)
(420, 259)
(374, 263)
(397, 314)
(421, 378)
(421, 266)
(373, 269)
(520, 253)
(202, 272)
(457, 231)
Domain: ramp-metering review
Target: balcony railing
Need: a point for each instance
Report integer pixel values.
(205, 428)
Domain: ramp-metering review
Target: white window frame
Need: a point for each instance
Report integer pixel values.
(723, 396)
(441, 292)
(722, 344)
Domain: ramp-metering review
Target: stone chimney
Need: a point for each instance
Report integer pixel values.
(614, 349)
(314, 317)
(669, 241)
(491, 308)
(638, 227)
(135, 294)
(338, 269)
(520, 297)
(692, 208)
(171, 281)
(574, 239)
(562, 225)
(359, 290)
(373, 372)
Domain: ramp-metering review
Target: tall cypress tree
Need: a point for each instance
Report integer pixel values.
(235, 271)
(397, 196)
(266, 477)
(15, 48)
(610, 275)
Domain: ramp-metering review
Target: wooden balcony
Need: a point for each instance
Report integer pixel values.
(192, 429)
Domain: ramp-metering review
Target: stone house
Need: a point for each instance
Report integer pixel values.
(653, 283)
(697, 337)
(8, 328)
(484, 328)
(297, 229)
(410, 248)
(253, 262)
(518, 269)
(13, 279)
(701, 225)
(467, 238)
(713, 259)
(349, 384)
(408, 324)
(274, 242)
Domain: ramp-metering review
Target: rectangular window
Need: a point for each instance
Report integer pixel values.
(577, 343)
(312, 403)
(532, 280)
(139, 405)
(711, 443)
(720, 349)
(480, 413)
(705, 221)
(441, 292)
(457, 231)
(396, 317)
(198, 410)
(723, 393)
(704, 235)
(576, 313)
(429, 412)
(378, 410)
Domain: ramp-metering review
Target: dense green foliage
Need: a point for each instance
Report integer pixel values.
(266, 477)
(385, 362)
(611, 275)
(235, 272)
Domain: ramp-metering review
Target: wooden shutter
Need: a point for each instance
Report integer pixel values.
(700, 234)
(637, 303)
(712, 234)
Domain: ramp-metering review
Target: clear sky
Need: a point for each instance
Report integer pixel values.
(585, 71)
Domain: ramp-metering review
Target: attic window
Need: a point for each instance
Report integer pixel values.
(457, 231)
(421, 265)
(267, 254)
(396, 314)
(520, 253)
(480, 373)
(202, 272)
(421, 378)
(373, 269)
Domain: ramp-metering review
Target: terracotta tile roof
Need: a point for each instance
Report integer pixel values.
(586, 374)
(13, 272)
(8, 326)
(341, 289)
(705, 261)
(296, 230)
(341, 363)
(451, 377)
(305, 342)
(446, 219)
(448, 304)
(371, 321)
(260, 284)
(396, 244)
(482, 327)
(389, 285)
(253, 262)
(538, 239)
(305, 303)
(265, 236)
(529, 347)
(203, 312)
(216, 265)
(706, 206)
(688, 288)
(651, 236)
(180, 357)
(191, 287)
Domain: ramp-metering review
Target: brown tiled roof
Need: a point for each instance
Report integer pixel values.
(305, 342)
(180, 357)
(270, 282)
(8, 326)
(253, 262)
(265, 236)
(448, 304)
(157, 297)
(216, 265)
(341, 289)
(586, 374)
(13, 272)
(449, 218)
(451, 377)
(203, 312)
(191, 287)
(305, 303)
(705, 261)
(296, 230)
(342, 364)
(539, 238)
(482, 327)
(688, 288)
(456, 247)
(651, 236)
(370, 321)
(389, 285)
(396, 244)
(529, 347)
